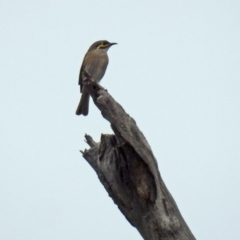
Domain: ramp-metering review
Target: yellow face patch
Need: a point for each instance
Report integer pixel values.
(102, 45)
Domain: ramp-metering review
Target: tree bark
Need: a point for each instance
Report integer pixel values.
(128, 170)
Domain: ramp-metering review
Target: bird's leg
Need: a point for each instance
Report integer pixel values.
(90, 84)
(87, 76)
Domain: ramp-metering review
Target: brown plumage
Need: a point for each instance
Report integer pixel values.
(95, 62)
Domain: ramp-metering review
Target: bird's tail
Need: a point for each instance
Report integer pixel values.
(83, 104)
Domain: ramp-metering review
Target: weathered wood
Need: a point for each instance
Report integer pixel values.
(128, 170)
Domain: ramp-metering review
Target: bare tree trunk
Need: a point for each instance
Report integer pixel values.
(128, 170)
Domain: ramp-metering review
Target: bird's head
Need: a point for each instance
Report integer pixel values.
(102, 44)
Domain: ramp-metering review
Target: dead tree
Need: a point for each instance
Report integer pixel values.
(128, 170)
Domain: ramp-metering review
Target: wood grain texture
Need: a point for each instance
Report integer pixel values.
(127, 168)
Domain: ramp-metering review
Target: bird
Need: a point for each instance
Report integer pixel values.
(95, 63)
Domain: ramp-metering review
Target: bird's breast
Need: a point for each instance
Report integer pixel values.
(96, 63)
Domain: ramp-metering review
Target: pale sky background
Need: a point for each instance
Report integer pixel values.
(175, 70)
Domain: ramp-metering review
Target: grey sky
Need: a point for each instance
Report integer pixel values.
(175, 70)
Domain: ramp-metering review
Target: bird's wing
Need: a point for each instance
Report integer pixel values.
(88, 58)
(80, 75)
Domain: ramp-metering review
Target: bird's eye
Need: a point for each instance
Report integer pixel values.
(101, 45)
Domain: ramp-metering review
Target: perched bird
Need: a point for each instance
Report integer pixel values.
(95, 63)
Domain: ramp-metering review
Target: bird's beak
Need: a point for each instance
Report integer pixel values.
(112, 44)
